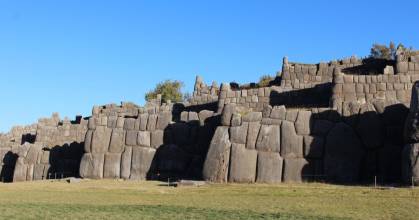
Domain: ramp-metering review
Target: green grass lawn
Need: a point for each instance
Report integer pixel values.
(111, 199)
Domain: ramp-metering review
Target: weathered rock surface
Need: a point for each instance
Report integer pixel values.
(411, 131)
(218, 157)
(242, 164)
(291, 143)
(269, 138)
(269, 167)
(142, 159)
(410, 164)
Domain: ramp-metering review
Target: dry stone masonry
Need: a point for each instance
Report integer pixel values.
(51, 148)
(344, 121)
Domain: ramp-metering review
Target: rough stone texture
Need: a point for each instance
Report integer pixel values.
(239, 134)
(101, 139)
(227, 114)
(303, 123)
(144, 138)
(88, 141)
(236, 120)
(410, 164)
(269, 138)
(163, 120)
(218, 157)
(252, 117)
(291, 143)
(343, 154)
(411, 130)
(296, 169)
(142, 159)
(269, 167)
(278, 112)
(242, 164)
(117, 141)
(157, 138)
(112, 166)
(91, 165)
(131, 138)
(252, 135)
(20, 170)
(126, 163)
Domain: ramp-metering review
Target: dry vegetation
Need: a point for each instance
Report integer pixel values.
(110, 199)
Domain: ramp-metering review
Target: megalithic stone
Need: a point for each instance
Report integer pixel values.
(411, 130)
(218, 157)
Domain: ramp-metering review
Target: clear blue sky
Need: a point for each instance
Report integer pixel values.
(66, 56)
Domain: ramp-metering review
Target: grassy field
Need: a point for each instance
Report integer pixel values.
(111, 199)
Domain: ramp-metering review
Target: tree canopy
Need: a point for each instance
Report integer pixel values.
(169, 90)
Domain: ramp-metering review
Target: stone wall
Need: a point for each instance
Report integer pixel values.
(293, 145)
(51, 148)
(368, 88)
(149, 145)
(204, 94)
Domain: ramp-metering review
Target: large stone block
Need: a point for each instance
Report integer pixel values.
(21, 170)
(143, 121)
(291, 143)
(252, 135)
(217, 160)
(101, 139)
(91, 165)
(38, 172)
(204, 115)
(252, 117)
(411, 130)
(32, 155)
(144, 138)
(269, 138)
(126, 163)
(129, 124)
(112, 167)
(243, 164)
(131, 138)
(88, 141)
(142, 159)
(239, 134)
(343, 154)
(227, 113)
(117, 140)
(410, 164)
(164, 120)
(402, 67)
(157, 138)
(151, 123)
(296, 170)
(303, 123)
(279, 112)
(269, 167)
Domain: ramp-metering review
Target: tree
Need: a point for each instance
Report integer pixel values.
(265, 80)
(169, 90)
(380, 51)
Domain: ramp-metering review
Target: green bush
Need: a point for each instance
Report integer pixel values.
(169, 90)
